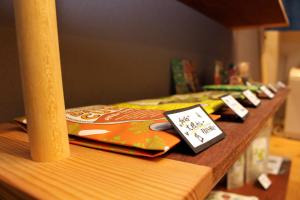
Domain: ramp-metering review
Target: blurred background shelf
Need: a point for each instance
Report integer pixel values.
(277, 190)
(237, 14)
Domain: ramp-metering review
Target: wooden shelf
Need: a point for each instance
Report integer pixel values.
(238, 136)
(277, 190)
(237, 14)
(93, 174)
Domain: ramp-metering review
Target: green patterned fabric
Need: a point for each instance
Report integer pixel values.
(231, 88)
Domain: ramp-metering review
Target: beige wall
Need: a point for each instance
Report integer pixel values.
(271, 56)
(289, 53)
(247, 48)
(281, 52)
(117, 50)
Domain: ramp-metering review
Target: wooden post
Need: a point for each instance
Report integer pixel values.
(41, 77)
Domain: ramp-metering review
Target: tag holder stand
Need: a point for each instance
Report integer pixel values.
(227, 114)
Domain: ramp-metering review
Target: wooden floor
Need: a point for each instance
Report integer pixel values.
(291, 149)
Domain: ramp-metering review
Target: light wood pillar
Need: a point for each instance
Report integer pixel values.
(41, 77)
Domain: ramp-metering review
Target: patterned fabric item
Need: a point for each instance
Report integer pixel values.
(231, 87)
(210, 101)
(184, 76)
(123, 130)
(209, 106)
(178, 77)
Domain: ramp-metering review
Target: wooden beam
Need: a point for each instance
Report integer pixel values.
(41, 77)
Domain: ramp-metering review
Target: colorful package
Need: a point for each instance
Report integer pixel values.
(209, 106)
(209, 100)
(231, 87)
(257, 154)
(184, 76)
(124, 130)
(235, 175)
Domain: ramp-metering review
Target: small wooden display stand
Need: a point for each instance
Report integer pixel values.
(89, 173)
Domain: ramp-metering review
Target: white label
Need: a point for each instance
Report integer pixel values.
(195, 125)
(267, 92)
(280, 84)
(274, 164)
(235, 106)
(251, 97)
(259, 150)
(264, 180)
(248, 84)
(272, 88)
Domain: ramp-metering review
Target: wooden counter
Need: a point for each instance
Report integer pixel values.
(94, 174)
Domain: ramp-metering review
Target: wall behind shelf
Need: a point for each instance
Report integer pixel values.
(117, 50)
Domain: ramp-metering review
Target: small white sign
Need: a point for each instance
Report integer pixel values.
(280, 84)
(248, 84)
(274, 164)
(272, 88)
(195, 126)
(235, 106)
(267, 92)
(252, 97)
(264, 180)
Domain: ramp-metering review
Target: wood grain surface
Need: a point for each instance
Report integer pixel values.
(93, 174)
(241, 14)
(41, 79)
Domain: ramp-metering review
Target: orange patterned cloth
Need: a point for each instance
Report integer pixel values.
(138, 132)
(124, 130)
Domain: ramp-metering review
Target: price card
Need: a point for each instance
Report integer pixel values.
(195, 127)
(252, 97)
(235, 106)
(280, 84)
(274, 164)
(264, 181)
(267, 92)
(274, 89)
(248, 84)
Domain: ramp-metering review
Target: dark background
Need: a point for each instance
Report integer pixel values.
(117, 50)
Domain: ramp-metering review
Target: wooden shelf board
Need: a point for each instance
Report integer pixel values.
(90, 173)
(222, 155)
(94, 174)
(277, 190)
(237, 14)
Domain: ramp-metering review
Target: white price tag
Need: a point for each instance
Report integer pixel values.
(235, 106)
(267, 92)
(252, 97)
(248, 84)
(195, 127)
(280, 84)
(272, 88)
(264, 180)
(274, 164)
